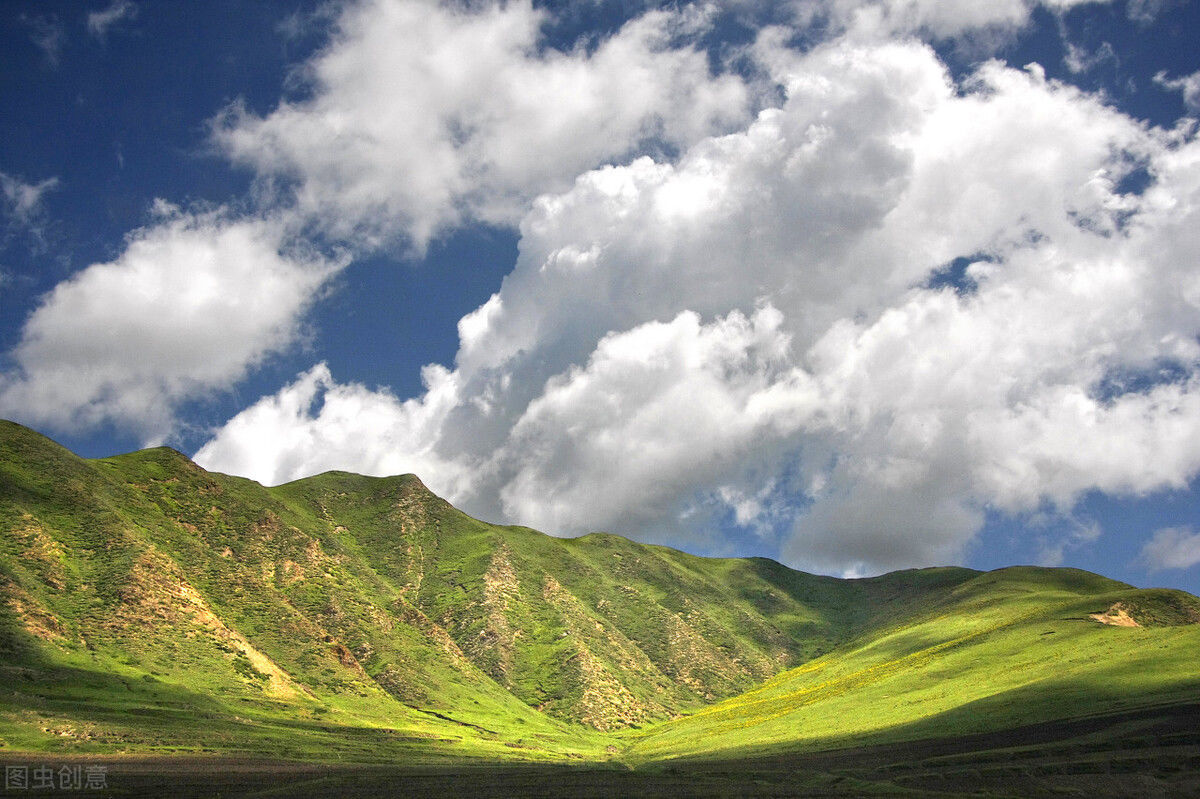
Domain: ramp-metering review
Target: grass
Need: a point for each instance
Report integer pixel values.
(154, 610)
(1002, 659)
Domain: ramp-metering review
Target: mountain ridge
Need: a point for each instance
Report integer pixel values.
(144, 596)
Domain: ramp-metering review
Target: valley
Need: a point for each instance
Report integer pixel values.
(343, 632)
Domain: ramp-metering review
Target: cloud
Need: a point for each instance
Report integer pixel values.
(752, 320)
(100, 22)
(47, 35)
(194, 302)
(1145, 11)
(981, 26)
(1079, 59)
(938, 18)
(1171, 548)
(749, 332)
(23, 200)
(1188, 86)
(1080, 534)
(316, 424)
(22, 207)
(419, 116)
(658, 415)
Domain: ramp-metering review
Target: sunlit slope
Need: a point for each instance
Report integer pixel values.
(1011, 647)
(149, 605)
(599, 629)
(142, 594)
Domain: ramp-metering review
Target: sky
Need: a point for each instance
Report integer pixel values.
(858, 285)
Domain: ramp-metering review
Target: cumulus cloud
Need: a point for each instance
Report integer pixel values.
(418, 116)
(316, 424)
(1188, 86)
(100, 22)
(1172, 548)
(193, 302)
(938, 18)
(980, 25)
(752, 329)
(658, 414)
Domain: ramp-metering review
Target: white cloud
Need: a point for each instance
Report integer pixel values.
(771, 211)
(193, 302)
(1080, 534)
(939, 18)
(22, 206)
(1172, 548)
(316, 425)
(1188, 86)
(423, 115)
(658, 414)
(1144, 11)
(1079, 59)
(750, 320)
(23, 201)
(100, 22)
(970, 22)
(47, 35)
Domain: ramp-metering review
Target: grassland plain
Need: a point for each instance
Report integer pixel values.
(346, 635)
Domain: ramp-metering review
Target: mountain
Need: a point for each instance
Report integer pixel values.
(153, 608)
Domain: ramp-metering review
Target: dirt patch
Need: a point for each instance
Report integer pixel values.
(605, 702)
(500, 591)
(158, 593)
(1117, 616)
(37, 620)
(414, 617)
(412, 518)
(314, 552)
(693, 661)
(288, 572)
(410, 510)
(41, 551)
(345, 656)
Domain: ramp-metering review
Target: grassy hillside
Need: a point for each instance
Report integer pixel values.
(143, 581)
(596, 629)
(150, 607)
(1009, 648)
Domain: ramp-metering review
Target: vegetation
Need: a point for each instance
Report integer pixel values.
(152, 609)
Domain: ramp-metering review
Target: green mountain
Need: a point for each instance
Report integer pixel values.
(153, 608)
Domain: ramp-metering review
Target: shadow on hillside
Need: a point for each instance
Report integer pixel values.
(1138, 752)
(62, 710)
(1146, 751)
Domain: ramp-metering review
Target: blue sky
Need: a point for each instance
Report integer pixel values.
(855, 284)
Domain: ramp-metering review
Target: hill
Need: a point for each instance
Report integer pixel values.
(153, 608)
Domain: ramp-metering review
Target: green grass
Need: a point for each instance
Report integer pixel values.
(152, 608)
(997, 658)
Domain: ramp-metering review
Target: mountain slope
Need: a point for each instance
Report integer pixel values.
(1013, 647)
(151, 606)
(144, 582)
(370, 600)
(597, 629)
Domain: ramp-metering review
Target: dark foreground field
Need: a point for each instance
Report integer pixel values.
(1146, 753)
